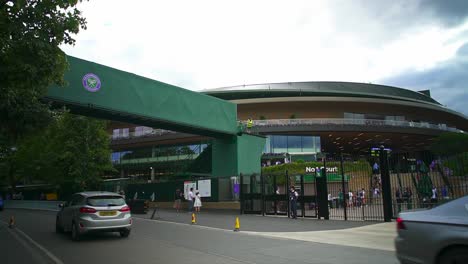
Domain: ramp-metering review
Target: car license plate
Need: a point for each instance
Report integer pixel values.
(107, 213)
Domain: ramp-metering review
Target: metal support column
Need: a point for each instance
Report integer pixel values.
(343, 187)
(386, 188)
(275, 194)
(287, 193)
(302, 196)
(325, 183)
(262, 186)
(241, 194)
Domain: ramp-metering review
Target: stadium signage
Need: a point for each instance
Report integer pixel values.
(317, 169)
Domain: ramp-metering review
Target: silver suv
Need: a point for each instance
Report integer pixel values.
(94, 211)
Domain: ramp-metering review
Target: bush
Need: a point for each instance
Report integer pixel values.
(457, 164)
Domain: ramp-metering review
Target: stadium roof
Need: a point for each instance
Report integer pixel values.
(295, 89)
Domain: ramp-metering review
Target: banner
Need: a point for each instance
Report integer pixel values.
(204, 187)
(187, 186)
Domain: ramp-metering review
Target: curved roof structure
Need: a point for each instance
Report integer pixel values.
(342, 89)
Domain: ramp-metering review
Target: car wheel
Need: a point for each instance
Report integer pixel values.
(58, 226)
(124, 232)
(457, 255)
(75, 233)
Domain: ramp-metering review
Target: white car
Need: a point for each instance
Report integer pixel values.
(94, 212)
(435, 236)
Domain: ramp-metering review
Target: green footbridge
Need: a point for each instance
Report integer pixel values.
(99, 91)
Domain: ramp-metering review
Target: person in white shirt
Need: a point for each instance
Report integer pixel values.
(434, 196)
(350, 199)
(191, 197)
(363, 196)
(330, 202)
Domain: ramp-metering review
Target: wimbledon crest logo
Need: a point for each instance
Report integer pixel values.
(91, 82)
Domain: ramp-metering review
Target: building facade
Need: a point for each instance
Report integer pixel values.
(300, 121)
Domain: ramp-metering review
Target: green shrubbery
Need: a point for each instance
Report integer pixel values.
(457, 164)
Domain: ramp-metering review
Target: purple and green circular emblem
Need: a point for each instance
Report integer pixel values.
(91, 82)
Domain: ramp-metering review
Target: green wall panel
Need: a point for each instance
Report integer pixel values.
(249, 153)
(224, 157)
(128, 97)
(240, 154)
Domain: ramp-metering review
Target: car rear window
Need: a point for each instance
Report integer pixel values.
(105, 201)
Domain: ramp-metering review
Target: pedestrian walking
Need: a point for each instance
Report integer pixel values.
(363, 197)
(191, 198)
(444, 192)
(177, 199)
(434, 196)
(198, 202)
(398, 196)
(350, 199)
(375, 168)
(409, 199)
(293, 195)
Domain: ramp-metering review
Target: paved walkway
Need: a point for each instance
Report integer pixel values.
(372, 235)
(378, 236)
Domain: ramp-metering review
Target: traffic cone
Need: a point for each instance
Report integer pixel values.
(11, 223)
(237, 225)
(194, 219)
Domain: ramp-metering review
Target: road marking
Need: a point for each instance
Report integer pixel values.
(176, 223)
(30, 240)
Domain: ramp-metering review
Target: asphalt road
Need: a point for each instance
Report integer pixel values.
(165, 242)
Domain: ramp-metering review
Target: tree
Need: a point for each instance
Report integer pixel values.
(82, 145)
(31, 60)
(450, 144)
(73, 150)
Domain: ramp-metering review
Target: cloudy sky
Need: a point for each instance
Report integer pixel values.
(417, 44)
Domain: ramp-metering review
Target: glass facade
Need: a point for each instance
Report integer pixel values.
(158, 154)
(292, 144)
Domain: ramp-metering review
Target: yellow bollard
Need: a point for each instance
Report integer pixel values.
(194, 219)
(11, 223)
(237, 225)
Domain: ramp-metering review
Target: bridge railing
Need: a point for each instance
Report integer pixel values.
(140, 134)
(304, 122)
(345, 121)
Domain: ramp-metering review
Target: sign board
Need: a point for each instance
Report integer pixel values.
(317, 169)
(331, 177)
(204, 187)
(51, 197)
(187, 186)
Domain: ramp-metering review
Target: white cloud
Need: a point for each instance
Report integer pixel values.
(207, 44)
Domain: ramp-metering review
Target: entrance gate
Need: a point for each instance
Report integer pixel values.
(306, 187)
(269, 194)
(251, 194)
(329, 189)
(275, 197)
